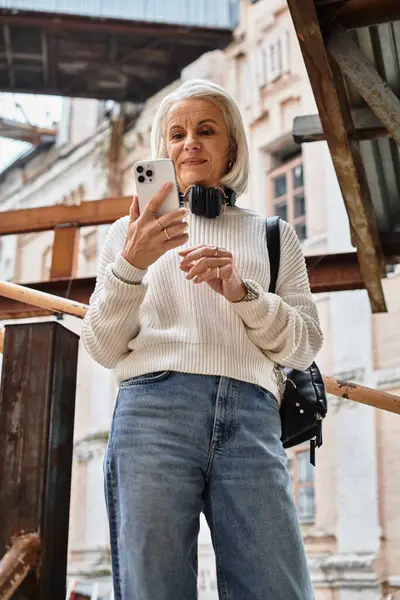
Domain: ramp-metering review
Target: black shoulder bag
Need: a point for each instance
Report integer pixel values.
(304, 404)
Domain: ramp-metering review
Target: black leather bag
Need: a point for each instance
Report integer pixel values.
(304, 403)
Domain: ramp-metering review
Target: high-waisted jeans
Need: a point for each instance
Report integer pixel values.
(181, 444)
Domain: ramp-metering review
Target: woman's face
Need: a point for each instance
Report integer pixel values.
(197, 142)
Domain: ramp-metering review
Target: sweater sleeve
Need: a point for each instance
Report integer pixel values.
(285, 325)
(112, 320)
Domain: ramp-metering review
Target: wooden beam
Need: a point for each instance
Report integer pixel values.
(334, 273)
(366, 13)
(40, 299)
(330, 96)
(363, 395)
(78, 290)
(375, 91)
(367, 126)
(9, 55)
(65, 255)
(208, 36)
(37, 405)
(327, 273)
(96, 212)
(17, 562)
(51, 59)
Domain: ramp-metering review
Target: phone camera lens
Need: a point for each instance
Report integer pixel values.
(139, 169)
(149, 173)
(141, 178)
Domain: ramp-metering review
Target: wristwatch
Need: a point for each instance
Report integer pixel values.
(252, 292)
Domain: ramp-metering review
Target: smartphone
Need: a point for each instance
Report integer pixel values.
(150, 176)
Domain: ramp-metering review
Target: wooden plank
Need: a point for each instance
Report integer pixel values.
(367, 126)
(37, 403)
(366, 13)
(64, 261)
(96, 212)
(330, 96)
(376, 92)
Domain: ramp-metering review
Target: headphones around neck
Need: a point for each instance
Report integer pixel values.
(208, 202)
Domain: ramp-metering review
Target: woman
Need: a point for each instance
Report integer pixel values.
(185, 319)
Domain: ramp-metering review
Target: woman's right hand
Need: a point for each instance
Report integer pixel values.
(149, 237)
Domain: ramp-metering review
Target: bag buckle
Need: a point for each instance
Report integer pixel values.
(281, 378)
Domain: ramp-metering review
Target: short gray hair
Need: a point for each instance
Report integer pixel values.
(238, 174)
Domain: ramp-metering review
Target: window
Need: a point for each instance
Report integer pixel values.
(206, 580)
(274, 60)
(303, 484)
(287, 192)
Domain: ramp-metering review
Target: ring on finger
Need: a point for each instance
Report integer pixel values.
(151, 213)
(218, 277)
(166, 233)
(216, 251)
(160, 226)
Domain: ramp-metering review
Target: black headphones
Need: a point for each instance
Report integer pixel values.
(208, 202)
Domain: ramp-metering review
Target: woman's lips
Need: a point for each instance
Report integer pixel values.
(193, 163)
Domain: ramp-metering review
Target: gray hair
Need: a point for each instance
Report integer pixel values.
(237, 176)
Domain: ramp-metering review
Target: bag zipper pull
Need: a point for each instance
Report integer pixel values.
(313, 444)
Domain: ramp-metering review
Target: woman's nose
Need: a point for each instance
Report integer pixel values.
(192, 142)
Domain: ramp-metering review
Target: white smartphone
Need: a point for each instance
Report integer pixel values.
(150, 176)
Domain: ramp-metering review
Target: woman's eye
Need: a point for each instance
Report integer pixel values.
(176, 136)
(207, 132)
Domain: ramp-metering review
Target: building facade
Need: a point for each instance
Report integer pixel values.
(348, 505)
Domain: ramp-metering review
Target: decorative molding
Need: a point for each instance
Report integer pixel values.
(90, 447)
(355, 375)
(387, 379)
(344, 571)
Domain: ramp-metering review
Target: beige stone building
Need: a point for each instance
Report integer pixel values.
(349, 505)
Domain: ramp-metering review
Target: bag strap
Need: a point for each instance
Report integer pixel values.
(274, 249)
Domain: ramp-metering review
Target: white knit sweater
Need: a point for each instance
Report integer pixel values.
(169, 323)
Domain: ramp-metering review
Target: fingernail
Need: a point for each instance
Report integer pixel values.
(167, 186)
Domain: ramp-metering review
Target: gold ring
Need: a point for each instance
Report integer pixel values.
(218, 277)
(216, 251)
(159, 224)
(166, 233)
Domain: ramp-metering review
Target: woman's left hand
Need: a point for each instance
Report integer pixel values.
(214, 266)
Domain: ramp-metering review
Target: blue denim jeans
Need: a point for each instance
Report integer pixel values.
(181, 444)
